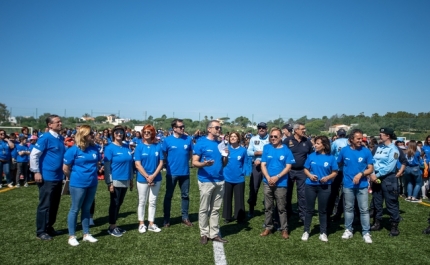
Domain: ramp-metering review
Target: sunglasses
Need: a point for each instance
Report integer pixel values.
(147, 132)
(180, 127)
(120, 132)
(217, 127)
(262, 128)
(274, 136)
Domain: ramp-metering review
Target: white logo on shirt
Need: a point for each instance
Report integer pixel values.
(360, 159)
(94, 156)
(239, 157)
(325, 164)
(281, 158)
(156, 153)
(185, 146)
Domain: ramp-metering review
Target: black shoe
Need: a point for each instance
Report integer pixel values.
(376, 226)
(44, 236)
(250, 214)
(52, 232)
(394, 229)
(427, 230)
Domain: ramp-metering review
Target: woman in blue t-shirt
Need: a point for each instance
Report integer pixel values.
(21, 154)
(118, 166)
(320, 168)
(80, 166)
(234, 180)
(412, 175)
(148, 159)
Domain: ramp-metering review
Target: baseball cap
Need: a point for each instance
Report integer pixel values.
(262, 125)
(288, 126)
(387, 131)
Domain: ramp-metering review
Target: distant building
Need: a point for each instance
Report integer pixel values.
(86, 119)
(115, 121)
(12, 120)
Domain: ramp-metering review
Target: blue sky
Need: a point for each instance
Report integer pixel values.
(260, 59)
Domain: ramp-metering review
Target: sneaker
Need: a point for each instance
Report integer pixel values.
(17, 186)
(142, 228)
(323, 237)
(73, 241)
(26, 184)
(305, 236)
(408, 199)
(154, 228)
(414, 200)
(90, 238)
(121, 230)
(347, 234)
(114, 232)
(91, 221)
(1, 186)
(367, 238)
(10, 185)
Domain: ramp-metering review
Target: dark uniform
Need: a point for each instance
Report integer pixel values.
(386, 157)
(300, 151)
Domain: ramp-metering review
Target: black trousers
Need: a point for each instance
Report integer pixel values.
(386, 190)
(312, 193)
(254, 186)
(236, 190)
(116, 200)
(335, 188)
(299, 177)
(49, 200)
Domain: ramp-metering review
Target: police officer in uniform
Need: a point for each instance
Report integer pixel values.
(385, 182)
(255, 150)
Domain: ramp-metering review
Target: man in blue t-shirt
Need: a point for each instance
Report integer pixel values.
(357, 163)
(208, 159)
(177, 149)
(46, 161)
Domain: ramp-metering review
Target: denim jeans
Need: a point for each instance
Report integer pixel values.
(184, 185)
(362, 196)
(82, 199)
(312, 193)
(413, 181)
(5, 168)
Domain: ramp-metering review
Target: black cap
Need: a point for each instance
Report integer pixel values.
(262, 124)
(341, 132)
(288, 126)
(387, 131)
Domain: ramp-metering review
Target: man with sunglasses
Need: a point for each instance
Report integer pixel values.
(208, 159)
(255, 150)
(177, 149)
(46, 161)
(301, 147)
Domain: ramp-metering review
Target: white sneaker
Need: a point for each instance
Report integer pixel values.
(1, 186)
(142, 228)
(73, 241)
(367, 238)
(10, 185)
(305, 236)
(323, 237)
(347, 234)
(26, 184)
(90, 238)
(91, 221)
(17, 186)
(154, 228)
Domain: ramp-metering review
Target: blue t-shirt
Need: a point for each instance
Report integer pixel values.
(21, 158)
(5, 151)
(415, 160)
(354, 161)
(121, 161)
(137, 140)
(426, 150)
(150, 157)
(234, 171)
(83, 166)
(320, 165)
(208, 150)
(177, 151)
(51, 160)
(276, 160)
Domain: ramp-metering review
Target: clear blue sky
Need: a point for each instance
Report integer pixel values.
(261, 59)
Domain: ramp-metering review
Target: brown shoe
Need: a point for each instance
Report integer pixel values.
(285, 234)
(219, 239)
(266, 232)
(204, 240)
(187, 222)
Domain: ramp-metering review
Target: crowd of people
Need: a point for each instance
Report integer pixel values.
(339, 173)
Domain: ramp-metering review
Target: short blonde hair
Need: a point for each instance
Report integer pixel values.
(80, 140)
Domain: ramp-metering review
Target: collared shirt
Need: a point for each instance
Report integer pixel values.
(385, 158)
(300, 150)
(256, 144)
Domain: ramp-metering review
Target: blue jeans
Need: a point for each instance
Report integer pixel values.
(5, 168)
(82, 198)
(184, 185)
(363, 200)
(413, 179)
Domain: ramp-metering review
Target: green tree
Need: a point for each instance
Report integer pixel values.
(4, 113)
(100, 119)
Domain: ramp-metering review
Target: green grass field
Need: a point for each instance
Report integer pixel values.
(180, 244)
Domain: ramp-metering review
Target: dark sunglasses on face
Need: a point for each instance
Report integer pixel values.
(273, 136)
(147, 132)
(261, 128)
(120, 132)
(180, 127)
(217, 128)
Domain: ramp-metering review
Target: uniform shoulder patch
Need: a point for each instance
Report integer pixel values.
(396, 155)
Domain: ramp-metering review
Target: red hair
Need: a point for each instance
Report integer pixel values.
(151, 128)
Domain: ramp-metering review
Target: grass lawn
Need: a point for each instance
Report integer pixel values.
(180, 244)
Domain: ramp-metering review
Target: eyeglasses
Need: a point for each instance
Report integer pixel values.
(261, 128)
(120, 132)
(216, 127)
(274, 136)
(180, 127)
(147, 132)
